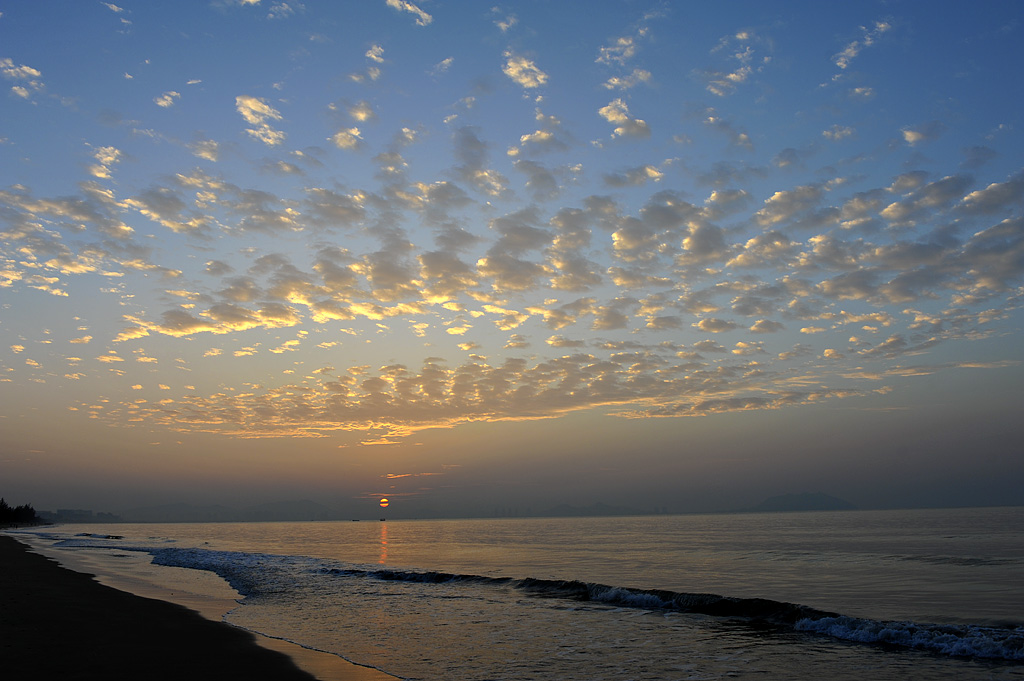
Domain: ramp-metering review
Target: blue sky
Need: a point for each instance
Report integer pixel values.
(469, 255)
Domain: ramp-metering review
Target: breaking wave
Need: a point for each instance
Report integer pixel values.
(1001, 643)
(956, 640)
(255, 574)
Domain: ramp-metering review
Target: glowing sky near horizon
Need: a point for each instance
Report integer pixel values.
(516, 254)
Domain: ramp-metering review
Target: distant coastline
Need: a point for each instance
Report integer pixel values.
(306, 511)
(805, 501)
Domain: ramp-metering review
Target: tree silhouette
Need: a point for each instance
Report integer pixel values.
(20, 515)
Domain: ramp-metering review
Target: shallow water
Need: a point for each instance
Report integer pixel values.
(914, 594)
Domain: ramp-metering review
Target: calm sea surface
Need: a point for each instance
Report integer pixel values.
(921, 594)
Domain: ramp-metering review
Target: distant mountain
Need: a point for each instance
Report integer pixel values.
(806, 501)
(598, 509)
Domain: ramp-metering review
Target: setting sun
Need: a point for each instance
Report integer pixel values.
(384, 503)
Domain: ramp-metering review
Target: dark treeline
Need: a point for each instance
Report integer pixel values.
(20, 515)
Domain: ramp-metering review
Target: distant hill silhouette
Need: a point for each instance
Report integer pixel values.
(598, 509)
(805, 501)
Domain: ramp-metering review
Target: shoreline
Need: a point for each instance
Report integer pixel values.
(99, 631)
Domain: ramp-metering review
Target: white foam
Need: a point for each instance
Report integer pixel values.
(956, 640)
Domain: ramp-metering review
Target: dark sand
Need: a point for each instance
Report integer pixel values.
(60, 624)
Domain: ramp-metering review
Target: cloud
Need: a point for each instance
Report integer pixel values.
(628, 81)
(716, 325)
(205, 149)
(523, 71)
(869, 36)
(907, 182)
(27, 78)
(741, 62)
(780, 400)
(703, 244)
(219, 319)
(430, 244)
(725, 201)
(326, 207)
(257, 112)
(516, 342)
(541, 183)
(995, 197)
(634, 177)
(783, 206)
(445, 276)
(837, 132)
(549, 138)
(472, 152)
(165, 206)
(283, 10)
(167, 99)
(442, 66)
(422, 18)
(504, 25)
(617, 113)
(977, 156)
(105, 158)
(507, 319)
(618, 52)
(926, 199)
(361, 112)
(744, 348)
(401, 400)
(563, 342)
(504, 262)
(348, 139)
(766, 326)
(737, 138)
(923, 133)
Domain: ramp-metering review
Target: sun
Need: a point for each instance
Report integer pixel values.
(384, 502)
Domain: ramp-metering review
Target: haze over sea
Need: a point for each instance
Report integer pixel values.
(921, 594)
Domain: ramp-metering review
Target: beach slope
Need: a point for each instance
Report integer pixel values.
(55, 623)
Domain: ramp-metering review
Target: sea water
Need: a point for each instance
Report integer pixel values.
(914, 594)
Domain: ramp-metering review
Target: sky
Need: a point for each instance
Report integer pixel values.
(492, 258)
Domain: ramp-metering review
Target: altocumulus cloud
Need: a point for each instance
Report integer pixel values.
(457, 235)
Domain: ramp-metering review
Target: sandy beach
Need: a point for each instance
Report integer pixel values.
(58, 623)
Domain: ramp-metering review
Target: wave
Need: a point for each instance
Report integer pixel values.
(954, 640)
(254, 574)
(648, 599)
(998, 643)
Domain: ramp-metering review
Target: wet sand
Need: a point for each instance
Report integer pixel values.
(58, 623)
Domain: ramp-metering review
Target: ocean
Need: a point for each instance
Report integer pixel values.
(909, 594)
